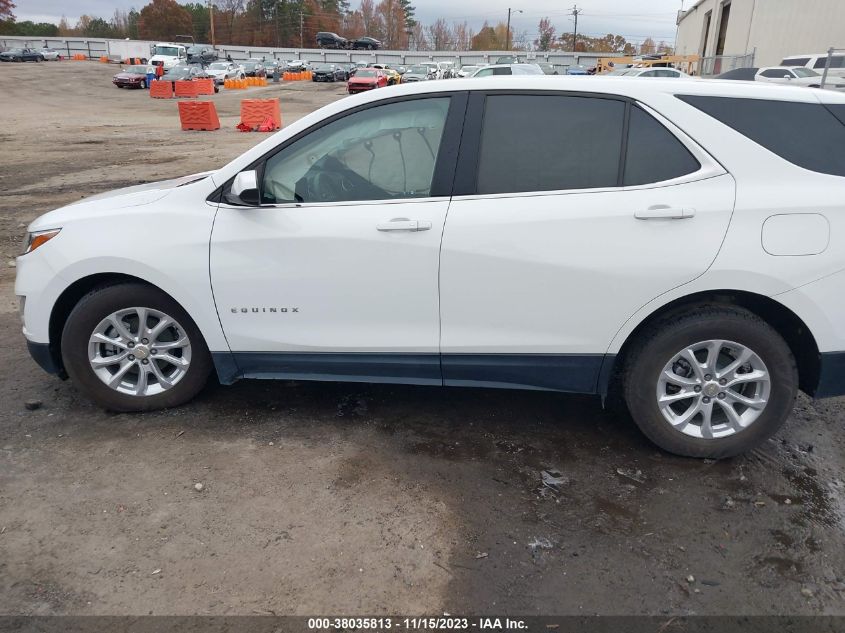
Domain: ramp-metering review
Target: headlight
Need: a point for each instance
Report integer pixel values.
(39, 238)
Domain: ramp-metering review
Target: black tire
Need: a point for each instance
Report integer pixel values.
(656, 347)
(97, 305)
(143, 84)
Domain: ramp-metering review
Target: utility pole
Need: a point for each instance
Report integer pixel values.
(575, 12)
(508, 30)
(301, 22)
(211, 17)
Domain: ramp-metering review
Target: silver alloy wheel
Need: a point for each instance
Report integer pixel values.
(713, 389)
(139, 351)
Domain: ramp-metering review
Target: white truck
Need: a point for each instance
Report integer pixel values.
(168, 54)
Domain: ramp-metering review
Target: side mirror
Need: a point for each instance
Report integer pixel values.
(787, 76)
(244, 190)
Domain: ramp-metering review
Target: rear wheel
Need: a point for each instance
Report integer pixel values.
(711, 383)
(130, 347)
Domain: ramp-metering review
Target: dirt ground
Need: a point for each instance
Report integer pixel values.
(353, 499)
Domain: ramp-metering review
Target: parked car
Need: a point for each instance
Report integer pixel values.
(548, 69)
(297, 65)
(366, 79)
(817, 62)
(508, 69)
(254, 68)
(393, 77)
(796, 76)
(417, 73)
(189, 73)
(221, 71)
(329, 72)
(331, 40)
(21, 55)
(366, 43)
(273, 66)
(578, 70)
(557, 267)
(467, 71)
(131, 77)
(508, 59)
(50, 55)
(201, 54)
(652, 73)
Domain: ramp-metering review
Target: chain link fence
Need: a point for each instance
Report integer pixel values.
(718, 64)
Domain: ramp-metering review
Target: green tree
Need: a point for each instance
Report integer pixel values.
(546, 36)
(98, 27)
(200, 19)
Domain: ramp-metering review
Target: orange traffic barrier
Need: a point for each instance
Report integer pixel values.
(161, 90)
(198, 115)
(185, 88)
(104, 59)
(255, 111)
(205, 86)
(79, 57)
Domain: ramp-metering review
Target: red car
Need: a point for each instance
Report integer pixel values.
(366, 79)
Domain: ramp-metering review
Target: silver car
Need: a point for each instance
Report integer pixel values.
(508, 69)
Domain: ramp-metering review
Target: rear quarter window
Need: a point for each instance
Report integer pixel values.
(809, 135)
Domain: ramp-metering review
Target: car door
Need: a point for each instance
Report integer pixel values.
(570, 212)
(334, 273)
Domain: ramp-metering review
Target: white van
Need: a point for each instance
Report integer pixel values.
(168, 55)
(817, 62)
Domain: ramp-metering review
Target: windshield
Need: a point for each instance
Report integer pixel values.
(219, 66)
(325, 67)
(468, 69)
(805, 72)
(179, 71)
(15, 50)
(250, 64)
(136, 70)
(419, 70)
(168, 51)
(366, 73)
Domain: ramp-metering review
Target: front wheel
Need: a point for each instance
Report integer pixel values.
(143, 85)
(130, 347)
(714, 383)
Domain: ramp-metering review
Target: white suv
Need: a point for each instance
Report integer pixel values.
(677, 243)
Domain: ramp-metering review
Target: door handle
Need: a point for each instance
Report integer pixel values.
(662, 212)
(404, 224)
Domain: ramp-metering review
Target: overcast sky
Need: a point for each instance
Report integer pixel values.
(634, 20)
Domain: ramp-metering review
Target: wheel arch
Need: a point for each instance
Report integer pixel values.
(71, 295)
(789, 325)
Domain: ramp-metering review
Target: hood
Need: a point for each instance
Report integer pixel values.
(125, 75)
(135, 196)
(419, 76)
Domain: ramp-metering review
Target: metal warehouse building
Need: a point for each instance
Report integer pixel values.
(770, 29)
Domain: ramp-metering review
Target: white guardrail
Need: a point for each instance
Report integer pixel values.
(94, 48)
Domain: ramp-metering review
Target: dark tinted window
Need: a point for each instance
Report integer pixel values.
(746, 74)
(806, 134)
(795, 61)
(654, 154)
(546, 143)
(778, 74)
(837, 61)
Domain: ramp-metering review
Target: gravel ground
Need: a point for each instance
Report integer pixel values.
(333, 498)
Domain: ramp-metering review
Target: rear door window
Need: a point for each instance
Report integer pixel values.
(549, 142)
(810, 135)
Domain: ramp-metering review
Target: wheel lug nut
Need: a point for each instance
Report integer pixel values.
(697, 388)
(131, 344)
(721, 395)
(153, 351)
(707, 377)
(145, 361)
(723, 381)
(705, 400)
(131, 357)
(145, 341)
